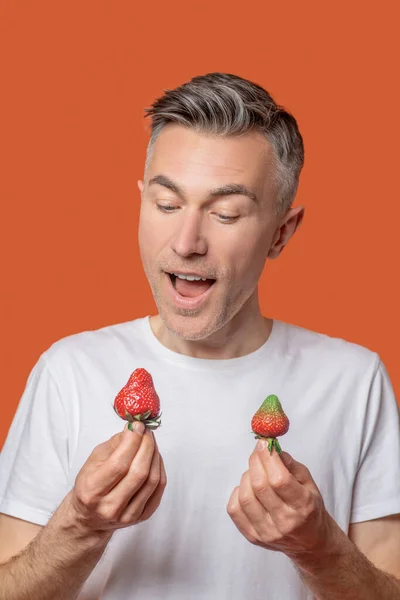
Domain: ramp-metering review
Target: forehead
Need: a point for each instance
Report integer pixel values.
(184, 153)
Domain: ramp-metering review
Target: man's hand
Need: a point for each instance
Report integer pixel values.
(120, 484)
(279, 507)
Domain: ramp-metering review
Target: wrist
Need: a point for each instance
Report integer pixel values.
(334, 547)
(67, 520)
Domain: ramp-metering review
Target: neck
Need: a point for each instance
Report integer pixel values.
(246, 332)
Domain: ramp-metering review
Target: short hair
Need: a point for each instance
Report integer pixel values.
(228, 105)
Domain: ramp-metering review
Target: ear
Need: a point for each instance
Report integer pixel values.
(286, 228)
(140, 186)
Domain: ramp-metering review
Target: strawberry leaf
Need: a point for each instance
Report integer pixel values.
(128, 416)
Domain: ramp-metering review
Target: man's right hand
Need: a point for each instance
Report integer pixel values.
(120, 484)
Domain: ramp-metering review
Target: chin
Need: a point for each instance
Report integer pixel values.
(192, 327)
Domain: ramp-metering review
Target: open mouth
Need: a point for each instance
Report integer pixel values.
(190, 287)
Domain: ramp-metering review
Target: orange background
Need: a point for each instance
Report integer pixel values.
(75, 78)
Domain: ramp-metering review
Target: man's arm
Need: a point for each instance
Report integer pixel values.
(15, 535)
(56, 563)
(379, 541)
(121, 484)
(278, 506)
(341, 571)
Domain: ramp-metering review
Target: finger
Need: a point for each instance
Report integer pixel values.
(136, 503)
(240, 518)
(251, 505)
(281, 480)
(157, 471)
(155, 500)
(104, 450)
(146, 500)
(261, 488)
(298, 470)
(123, 491)
(108, 474)
(137, 474)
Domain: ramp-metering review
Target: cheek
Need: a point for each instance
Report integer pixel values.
(248, 258)
(141, 238)
(149, 232)
(153, 230)
(146, 243)
(153, 244)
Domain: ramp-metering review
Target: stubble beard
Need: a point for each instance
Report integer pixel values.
(216, 320)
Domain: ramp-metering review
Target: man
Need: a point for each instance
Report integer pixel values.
(234, 521)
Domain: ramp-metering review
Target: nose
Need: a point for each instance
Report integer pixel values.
(189, 238)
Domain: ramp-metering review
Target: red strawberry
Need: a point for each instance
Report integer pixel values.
(138, 400)
(270, 421)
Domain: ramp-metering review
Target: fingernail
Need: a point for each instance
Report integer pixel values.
(139, 427)
(261, 444)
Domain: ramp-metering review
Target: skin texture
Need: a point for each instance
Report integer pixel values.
(193, 237)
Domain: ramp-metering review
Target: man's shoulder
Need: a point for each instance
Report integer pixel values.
(325, 349)
(96, 342)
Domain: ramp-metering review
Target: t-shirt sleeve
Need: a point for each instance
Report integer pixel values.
(34, 457)
(376, 491)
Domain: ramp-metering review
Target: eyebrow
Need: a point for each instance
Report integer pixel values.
(226, 190)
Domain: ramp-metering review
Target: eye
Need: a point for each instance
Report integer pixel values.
(166, 209)
(227, 219)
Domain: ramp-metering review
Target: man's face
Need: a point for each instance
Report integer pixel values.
(192, 224)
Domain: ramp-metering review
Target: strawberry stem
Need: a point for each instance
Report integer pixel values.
(273, 443)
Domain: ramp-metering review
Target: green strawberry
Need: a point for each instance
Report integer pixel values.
(138, 400)
(269, 422)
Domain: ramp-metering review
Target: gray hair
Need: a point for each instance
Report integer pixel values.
(225, 104)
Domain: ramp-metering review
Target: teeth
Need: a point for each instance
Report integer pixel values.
(189, 277)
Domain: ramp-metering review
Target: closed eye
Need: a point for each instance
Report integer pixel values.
(226, 219)
(166, 209)
(170, 209)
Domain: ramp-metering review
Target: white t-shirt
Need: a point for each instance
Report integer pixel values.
(344, 426)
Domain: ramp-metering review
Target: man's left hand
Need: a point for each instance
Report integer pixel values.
(279, 507)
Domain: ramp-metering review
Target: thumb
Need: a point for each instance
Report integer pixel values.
(104, 450)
